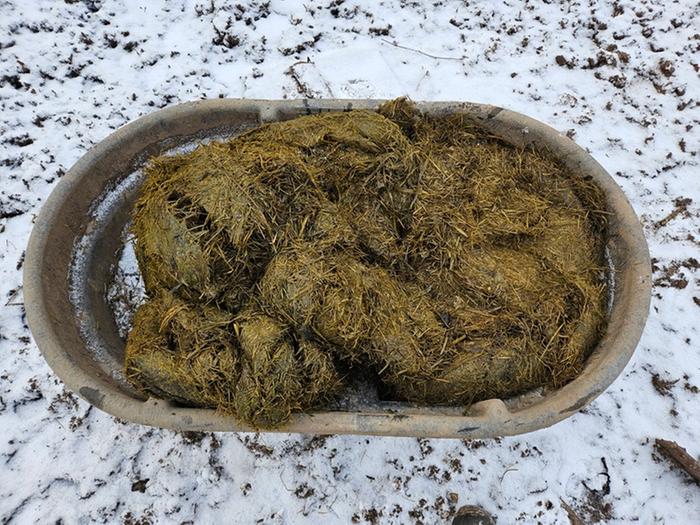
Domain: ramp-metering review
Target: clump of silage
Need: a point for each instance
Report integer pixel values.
(242, 364)
(457, 267)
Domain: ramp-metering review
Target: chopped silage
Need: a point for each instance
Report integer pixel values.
(279, 262)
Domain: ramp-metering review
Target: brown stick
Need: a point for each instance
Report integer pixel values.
(681, 206)
(678, 455)
(302, 88)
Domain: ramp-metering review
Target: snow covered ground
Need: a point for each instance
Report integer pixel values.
(620, 77)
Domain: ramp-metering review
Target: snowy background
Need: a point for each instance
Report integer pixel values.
(621, 78)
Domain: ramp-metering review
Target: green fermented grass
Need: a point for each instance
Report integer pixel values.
(457, 267)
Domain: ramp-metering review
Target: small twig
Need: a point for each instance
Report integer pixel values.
(327, 84)
(425, 75)
(438, 57)
(509, 469)
(13, 294)
(571, 513)
(663, 222)
(678, 455)
(283, 483)
(540, 491)
(329, 508)
(302, 88)
(681, 207)
(300, 63)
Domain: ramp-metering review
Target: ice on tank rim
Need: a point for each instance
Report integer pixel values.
(64, 219)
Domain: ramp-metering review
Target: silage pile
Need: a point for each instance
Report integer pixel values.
(281, 262)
